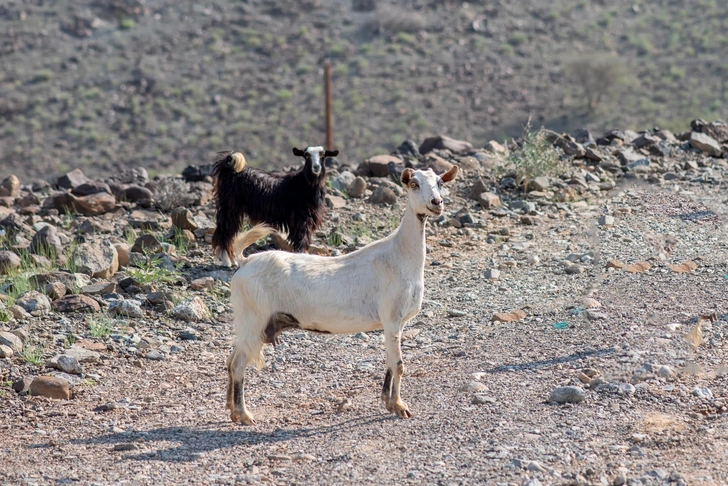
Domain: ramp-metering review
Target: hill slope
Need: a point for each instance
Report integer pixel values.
(105, 84)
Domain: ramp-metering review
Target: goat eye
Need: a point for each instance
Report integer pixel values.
(414, 185)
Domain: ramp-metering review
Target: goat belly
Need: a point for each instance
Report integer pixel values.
(341, 327)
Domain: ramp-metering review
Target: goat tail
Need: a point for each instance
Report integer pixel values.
(247, 238)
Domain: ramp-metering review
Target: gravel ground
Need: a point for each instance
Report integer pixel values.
(653, 410)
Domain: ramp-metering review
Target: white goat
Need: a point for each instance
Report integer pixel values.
(377, 287)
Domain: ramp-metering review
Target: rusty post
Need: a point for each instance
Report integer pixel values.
(329, 115)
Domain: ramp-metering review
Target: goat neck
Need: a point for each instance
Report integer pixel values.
(410, 237)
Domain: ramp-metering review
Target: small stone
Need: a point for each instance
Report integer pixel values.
(22, 385)
(626, 388)
(66, 363)
(202, 283)
(76, 303)
(35, 303)
(46, 242)
(514, 316)
(684, 267)
(8, 261)
(182, 219)
(154, 355)
(480, 399)
(606, 220)
(703, 392)
(50, 387)
(665, 371)
(540, 183)
(11, 341)
(81, 352)
(5, 351)
(125, 446)
(573, 269)
(582, 377)
(10, 186)
(488, 200)
(567, 394)
(474, 387)
(335, 202)
(97, 259)
(456, 313)
(595, 316)
(72, 179)
(100, 288)
(189, 334)
(192, 310)
(492, 274)
(534, 466)
(126, 308)
(55, 290)
(495, 148)
(383, 195)
(357, 188)
(590, 303)
(123, 250)
(147, 244)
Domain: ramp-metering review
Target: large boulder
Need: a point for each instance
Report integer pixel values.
(98, 259)
(706, 144)
(50, 387)
(33, 302)
(377, 166)
(9, 261)
(10, 187)
(76, 303)
(72, 179)
(91, 205)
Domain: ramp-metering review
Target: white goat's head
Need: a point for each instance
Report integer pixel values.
(423, 189)
(314, 157)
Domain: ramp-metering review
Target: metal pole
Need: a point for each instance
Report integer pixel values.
(329, 115)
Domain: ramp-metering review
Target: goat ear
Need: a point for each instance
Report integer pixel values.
(406, 176)
(331, 153)
(450, 175)
(298, 152)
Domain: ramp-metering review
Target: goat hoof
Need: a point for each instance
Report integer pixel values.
(242, 417)
(399, 408)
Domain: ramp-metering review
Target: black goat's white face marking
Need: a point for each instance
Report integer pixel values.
(315, 155)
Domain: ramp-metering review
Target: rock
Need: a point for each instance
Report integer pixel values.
(183, 219)
(716, 130)
(93, 187)
(357, 188)
(97, 259)
(627, 156)
(18, 312)
(47, 242)
(10, 187)
(595, 316)
(488, 200)
(703, 392)
(383, 195)
(147, 244)
(91, 205)
(35, 303)
(705, 144)
(191, 310)
(492, 274)
(100, 288)
(408, 148)
(534, 466)
(495, 148)
(335, 202)
(158, 298)
(478, 188)
(446, 143)
(474, 387)
(188, 334)
(377, 166)
(9, 261)
(6, 351)
(22, 385)
(50, 387)
(126, 446)
(11, 341)
(456, 313)
(646, 140)
(154, 355)
(567, 394)
(437, 164)
(606, 220)
(684, 267)
(84, 355)
(14, 224)
(66, 363)
(514, 316)
(72, 179)
(123, 250)
(665, 372)
(573, 269)
(202, 283)
(590, 303)
(540, 183)
(76, 303)
(342, 181)
(126, 308)
(136, 194)
(480, 399)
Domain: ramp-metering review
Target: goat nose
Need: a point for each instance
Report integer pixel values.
(435, 201)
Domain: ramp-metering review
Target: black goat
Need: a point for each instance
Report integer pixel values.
(292, 202)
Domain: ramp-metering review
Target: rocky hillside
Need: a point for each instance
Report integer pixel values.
(104, 85)
(573, 329)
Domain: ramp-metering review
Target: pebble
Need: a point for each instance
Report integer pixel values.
(202, 283)
(479, 399)
(474, 387)
(492, 274)
(573, 269)
(665, 371)
(606, 220)
(11, 341)
(6, 351)
(534, 466)
(154, 355)
(567, 394)
(456, 313)
(65, 363)
(626, 388)
(703, 392)
(125, 446)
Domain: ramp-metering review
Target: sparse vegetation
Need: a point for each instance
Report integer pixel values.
(32, 354)
(152, 271)
(597, 76)
(534, 158)
(101, 326)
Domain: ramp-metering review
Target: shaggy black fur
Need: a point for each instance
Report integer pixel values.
(292, 202)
